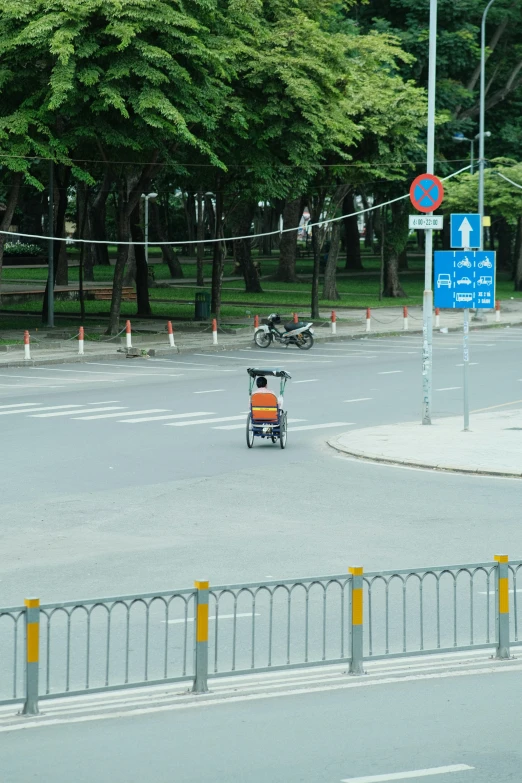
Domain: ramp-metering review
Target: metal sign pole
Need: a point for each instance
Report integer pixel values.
(427, 300)
(466, 368)
(50, 250)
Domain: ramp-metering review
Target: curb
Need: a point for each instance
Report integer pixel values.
(361, 455)
(165, 350)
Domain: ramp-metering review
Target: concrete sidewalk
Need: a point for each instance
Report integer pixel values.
(492, 447)
(151, 335)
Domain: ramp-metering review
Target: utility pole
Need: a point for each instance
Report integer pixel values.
(50, 275)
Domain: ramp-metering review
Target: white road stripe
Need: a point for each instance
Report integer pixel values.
(162, 418)
(323, 426)
(209, 391)
(46, 408)
(310, 380)
(389, 372)
(492, 592)
(105, 402)
(71, 380)
(116, 415)
(449, 388)
(462, 365)
(242, 426)
(20, 405)
(205, 421)
(360, 399)
(415, 773)
(30, 386)
(68, 413)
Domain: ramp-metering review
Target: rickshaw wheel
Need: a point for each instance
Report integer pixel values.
(249, 432)
(283, 431)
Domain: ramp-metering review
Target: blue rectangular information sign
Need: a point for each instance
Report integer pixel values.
(464, 278)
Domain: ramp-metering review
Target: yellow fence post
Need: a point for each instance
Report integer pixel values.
(201, 663)
(356, 663)
(32, 655)
(502, 606)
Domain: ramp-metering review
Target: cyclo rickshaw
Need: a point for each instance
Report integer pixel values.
(266, 418)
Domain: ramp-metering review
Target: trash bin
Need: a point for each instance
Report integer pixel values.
(202, 306)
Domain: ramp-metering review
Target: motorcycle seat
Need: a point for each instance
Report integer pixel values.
(289, 327)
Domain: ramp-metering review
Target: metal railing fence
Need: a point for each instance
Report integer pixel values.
(198, 633)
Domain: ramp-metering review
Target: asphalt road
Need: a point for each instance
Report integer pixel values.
(104, 498)
(459, 729)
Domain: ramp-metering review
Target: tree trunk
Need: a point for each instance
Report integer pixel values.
(292, 213)
(189, 204)
(97, 219)
(218, 261)
(142, 268)
(242, 225)
(518, 257)
(61, 271)
(167, 252)
(396, 236)
(200, 247)
(83, 231)
(403, 260)
(7, 218)
(329, 284)
(505, 245)
(129, 278)
(351, 235)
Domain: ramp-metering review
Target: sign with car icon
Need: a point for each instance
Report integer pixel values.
(460, 282)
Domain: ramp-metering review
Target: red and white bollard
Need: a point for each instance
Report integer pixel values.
(437, 317)
(81, 338)
(256, 323)
(27, 346)
(497, 310)
(368, 319)
(296, 318)
(171, 334)
(214, 332)
(405, 317)
(334, 322)
(128, 334)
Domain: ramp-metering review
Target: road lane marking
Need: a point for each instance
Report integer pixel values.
(242, 426)
(115, 415)
(46, 408)
(309, 380)
(323, 426)
(105, 402)
(492, 407)
(205, 421)
(359, 399)
(162, 418)
(470, 364)
(21, 405)
(71, 380)
(415, 773)
(389, 372)
(209, 391)
(30, 386)
(68, 413)
(449, 388)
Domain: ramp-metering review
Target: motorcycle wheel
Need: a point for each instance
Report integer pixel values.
(262, 339)
(304, 341)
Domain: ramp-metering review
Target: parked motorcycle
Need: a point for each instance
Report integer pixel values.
(300, 333)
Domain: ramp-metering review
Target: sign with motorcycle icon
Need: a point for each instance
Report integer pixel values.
(464, 279)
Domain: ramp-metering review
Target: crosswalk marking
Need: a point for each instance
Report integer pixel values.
(205, 421)
(172, 416)
(242, 426)
(115, 415)
(322, 426)
(46, 408)
(20, 405)
(68, 413)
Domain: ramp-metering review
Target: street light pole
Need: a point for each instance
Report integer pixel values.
(427, 300)
(482, 113)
